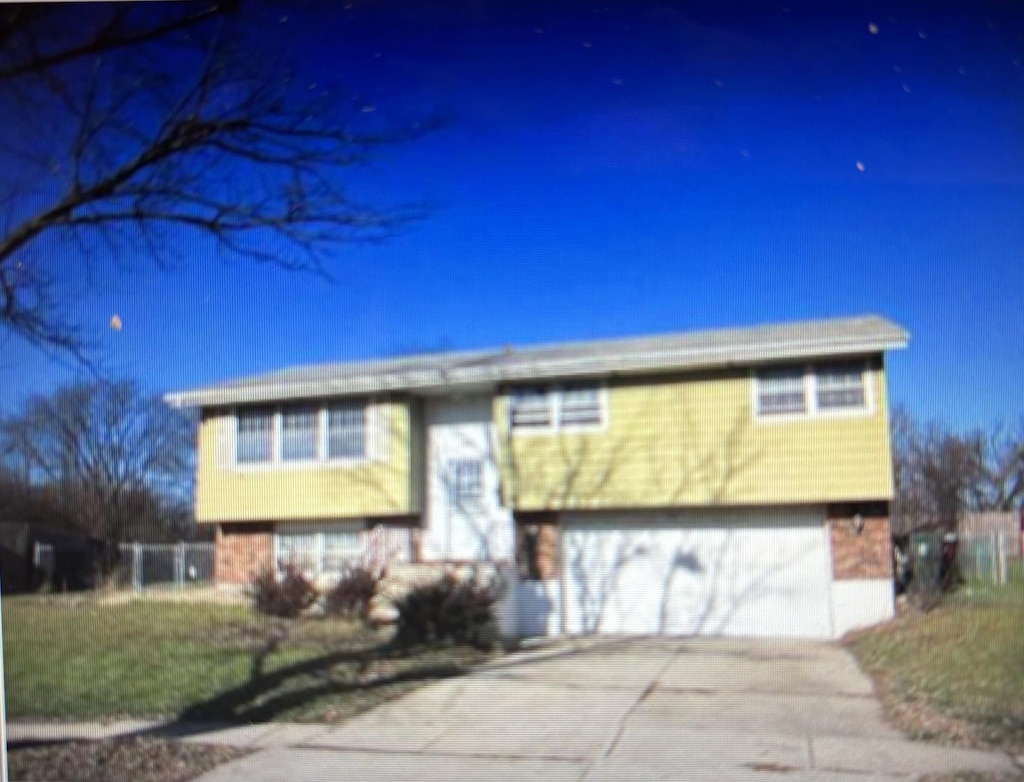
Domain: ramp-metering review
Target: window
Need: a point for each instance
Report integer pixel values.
(466, 480)
(320, 552)
(255, 441)
(531, 409)
(840, 387)
(781, 391)
(341, 550)
(557, 408)
(813, 390)
(579, 407)
(300, 432)
(299, 549)
(346, 431)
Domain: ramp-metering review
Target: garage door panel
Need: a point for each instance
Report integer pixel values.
(710, 576)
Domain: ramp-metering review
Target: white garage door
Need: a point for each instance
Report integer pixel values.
(756, 573)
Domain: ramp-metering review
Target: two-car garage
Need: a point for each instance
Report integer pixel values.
(763, 572)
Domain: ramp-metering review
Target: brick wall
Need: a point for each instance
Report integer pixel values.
(867, 554)
(242, 550)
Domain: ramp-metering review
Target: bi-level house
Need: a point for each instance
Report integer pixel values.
(732, 482)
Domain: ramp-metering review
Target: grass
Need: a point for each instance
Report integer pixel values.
(955, 673)
(81, 659)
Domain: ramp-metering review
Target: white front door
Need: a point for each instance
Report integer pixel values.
(761, 573)
(464, 517)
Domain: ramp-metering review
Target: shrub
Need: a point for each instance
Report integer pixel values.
(448, 610)
(286, 595)
(351, 596)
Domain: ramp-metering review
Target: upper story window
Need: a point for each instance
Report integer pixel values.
(819, 389)
(781, 391)
(301, 433)
(531, 409)
(579, 406)
(558, 408)
(255, 441)
(346, 431)
(840, 387)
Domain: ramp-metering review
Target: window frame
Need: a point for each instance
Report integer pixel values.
(280, 414)
(549, 405)
(326, 417)
(760, 377)
(256, 410)
(457, 497)
(322, 457)
(318, 531)
(816, 389)
(553, 394)
(810, 385)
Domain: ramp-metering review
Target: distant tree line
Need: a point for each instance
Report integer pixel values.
(101, 458)
(941, 474)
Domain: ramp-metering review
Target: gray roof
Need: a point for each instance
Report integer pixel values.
(439, 372)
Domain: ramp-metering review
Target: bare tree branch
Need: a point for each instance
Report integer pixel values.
(168, 118)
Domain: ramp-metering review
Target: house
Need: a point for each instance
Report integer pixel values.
(730, 482)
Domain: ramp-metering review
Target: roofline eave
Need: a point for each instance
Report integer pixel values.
(428, 381)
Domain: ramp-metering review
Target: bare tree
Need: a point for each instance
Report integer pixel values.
(936, 472)
(131, 129)
(999, 478)
(112, 457)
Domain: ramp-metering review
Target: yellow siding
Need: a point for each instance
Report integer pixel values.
(695, 441)
(384, 487)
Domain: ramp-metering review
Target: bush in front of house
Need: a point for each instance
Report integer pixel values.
(449, 610)
(286, 594)
(350, 596)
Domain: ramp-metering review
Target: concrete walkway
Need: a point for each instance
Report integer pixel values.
(599, 711)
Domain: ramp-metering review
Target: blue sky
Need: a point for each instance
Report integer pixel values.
(631, 168)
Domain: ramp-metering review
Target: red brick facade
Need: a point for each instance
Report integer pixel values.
(242, 551)
(864, 554)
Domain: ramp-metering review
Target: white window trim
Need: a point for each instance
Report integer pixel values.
(319, 530)
(370, 414)
(371, 417)
(453, 474)
(554, 396)
(811, 411)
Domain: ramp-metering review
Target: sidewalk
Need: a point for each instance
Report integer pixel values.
(270, 735)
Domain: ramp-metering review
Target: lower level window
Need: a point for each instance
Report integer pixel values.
(320, 552)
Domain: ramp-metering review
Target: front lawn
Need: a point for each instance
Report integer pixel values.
(75, 658)
(955, 673)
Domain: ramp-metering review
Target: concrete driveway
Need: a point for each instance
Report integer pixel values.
(602, 710)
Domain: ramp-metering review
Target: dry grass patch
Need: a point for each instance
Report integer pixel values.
(955, 673)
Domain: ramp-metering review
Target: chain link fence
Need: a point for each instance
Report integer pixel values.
(166, 564)
(986, 556)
